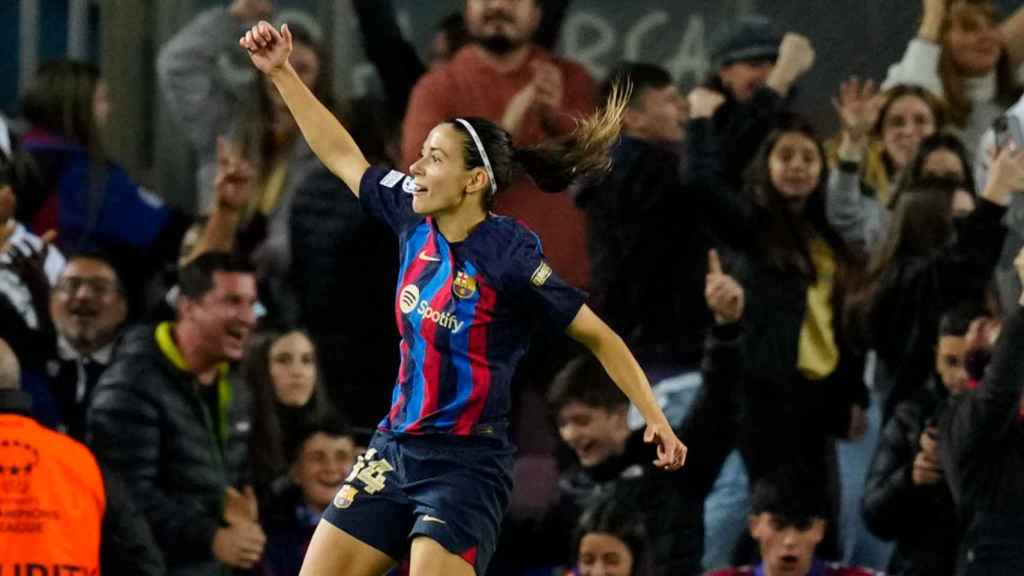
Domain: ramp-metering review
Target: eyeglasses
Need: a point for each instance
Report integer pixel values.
(101, 287)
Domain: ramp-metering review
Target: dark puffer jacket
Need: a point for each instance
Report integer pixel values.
(920, 519)
(983, 456)
(647, 250)
(903, 322)
(148, 422)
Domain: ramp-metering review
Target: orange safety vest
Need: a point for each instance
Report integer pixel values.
(52, 502)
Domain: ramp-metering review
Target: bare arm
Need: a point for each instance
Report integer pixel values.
(269, 50)
(233, 185)
(589, 330)
(1012, 31)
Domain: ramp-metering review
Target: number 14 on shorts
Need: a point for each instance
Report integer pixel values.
(372, 472)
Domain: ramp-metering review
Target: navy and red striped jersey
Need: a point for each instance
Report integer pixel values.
(465, 311)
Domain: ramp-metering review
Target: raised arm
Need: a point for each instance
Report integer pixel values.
(920, 63)
(589, 330)
(269, 50)
(190, 78)
(1012, 31)
(859, 220)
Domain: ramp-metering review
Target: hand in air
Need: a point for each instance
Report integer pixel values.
(268, 48)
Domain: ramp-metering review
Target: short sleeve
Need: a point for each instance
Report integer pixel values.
(387, 196)
(542, 291)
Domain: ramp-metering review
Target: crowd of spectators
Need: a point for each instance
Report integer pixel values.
(830, 321)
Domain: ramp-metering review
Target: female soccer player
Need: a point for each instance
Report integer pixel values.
(438, 470)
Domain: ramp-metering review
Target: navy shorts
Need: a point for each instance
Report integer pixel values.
(451, 489)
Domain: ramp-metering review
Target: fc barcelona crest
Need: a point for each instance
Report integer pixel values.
(464, 285)
(345, 496)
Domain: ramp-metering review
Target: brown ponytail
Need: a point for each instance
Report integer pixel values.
(586, 152)
(553, 166)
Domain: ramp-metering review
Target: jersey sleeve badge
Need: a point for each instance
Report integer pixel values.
(541, 274)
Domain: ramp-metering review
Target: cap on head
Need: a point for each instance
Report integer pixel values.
(754, 37)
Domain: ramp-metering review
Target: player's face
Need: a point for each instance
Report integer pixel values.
(293, 369)
(594, 434)
(907, 121)
(795, 164)
(658, 115)
(442, 180)
(786, 549)
(951, 363)
(602, 554)
(322, 466)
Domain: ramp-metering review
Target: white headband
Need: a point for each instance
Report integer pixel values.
(483, 153)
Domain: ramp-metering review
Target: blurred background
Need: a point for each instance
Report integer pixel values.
(123, 36)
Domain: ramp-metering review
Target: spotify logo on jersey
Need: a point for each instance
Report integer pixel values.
(409, 302)
(408, 299)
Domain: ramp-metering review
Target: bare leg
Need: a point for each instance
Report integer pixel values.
(333, 552)
(428, 558)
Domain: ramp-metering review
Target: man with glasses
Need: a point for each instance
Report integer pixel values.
(75, 337)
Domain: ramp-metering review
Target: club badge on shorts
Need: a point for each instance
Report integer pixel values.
(464, 285)
(345, 496)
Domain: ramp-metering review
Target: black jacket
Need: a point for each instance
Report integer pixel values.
(983, 456)
(126, 543)
(647, 251)
(776, 297)
(920, 519)
(394, 57)
(743, 126)
(913, 293)
(672, 503)
(148, 422)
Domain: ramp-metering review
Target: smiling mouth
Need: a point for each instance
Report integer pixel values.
(585, 450)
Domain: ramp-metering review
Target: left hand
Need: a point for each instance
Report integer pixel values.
(233, 182)
(724, 295)
(930, 445)
(518, 106)
(671, 450)
(858, 107)
(30, 267)
(550, 88)
(240, 507)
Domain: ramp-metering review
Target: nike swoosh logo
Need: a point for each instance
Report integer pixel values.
(424, 256)
(429, 518)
